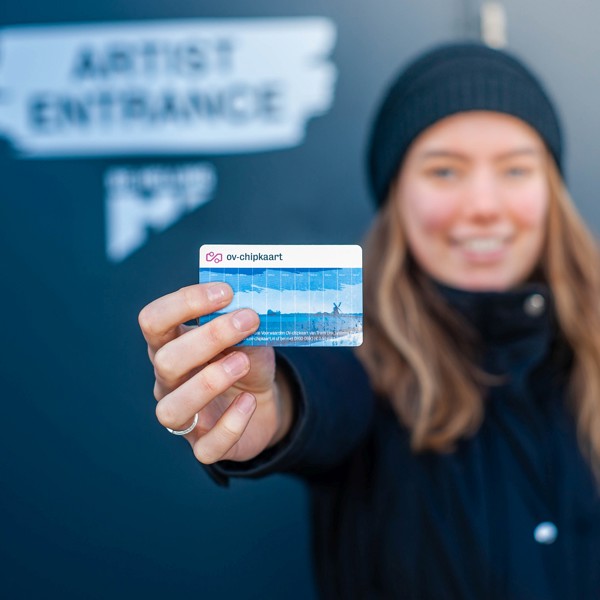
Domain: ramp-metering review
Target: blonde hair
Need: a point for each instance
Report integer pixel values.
(420, 353)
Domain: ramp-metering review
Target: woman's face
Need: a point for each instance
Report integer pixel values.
(473, 197)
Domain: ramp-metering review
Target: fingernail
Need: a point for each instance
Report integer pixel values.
(245, 403)
(217, 292)
(235, 364)
(244, 319)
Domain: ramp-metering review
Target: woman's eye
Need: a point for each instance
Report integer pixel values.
(518, 171)
(443, 172)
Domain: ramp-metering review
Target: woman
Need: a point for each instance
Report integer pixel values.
(460, 462)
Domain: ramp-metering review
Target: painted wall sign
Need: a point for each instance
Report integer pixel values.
(164, 87)
(148, 198)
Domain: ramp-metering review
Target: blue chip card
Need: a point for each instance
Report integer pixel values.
(304, 295)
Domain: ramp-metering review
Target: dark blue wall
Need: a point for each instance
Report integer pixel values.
(97, 499)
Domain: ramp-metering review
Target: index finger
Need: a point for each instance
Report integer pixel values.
(162, 320)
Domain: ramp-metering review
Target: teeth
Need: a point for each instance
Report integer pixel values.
(483, 244)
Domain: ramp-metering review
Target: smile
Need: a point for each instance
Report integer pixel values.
(483, 245)
(483, 250)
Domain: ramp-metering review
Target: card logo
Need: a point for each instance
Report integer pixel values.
(214, 257)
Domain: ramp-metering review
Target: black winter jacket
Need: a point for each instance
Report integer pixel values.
(512, 513)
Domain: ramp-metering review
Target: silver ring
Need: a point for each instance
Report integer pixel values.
(184, 431)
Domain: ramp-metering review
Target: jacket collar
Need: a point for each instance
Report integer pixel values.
(523, 313)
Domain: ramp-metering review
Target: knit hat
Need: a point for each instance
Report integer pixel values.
(449, 79)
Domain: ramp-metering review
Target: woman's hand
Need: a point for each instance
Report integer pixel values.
(242, 406)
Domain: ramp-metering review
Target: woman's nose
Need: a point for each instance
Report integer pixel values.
(483, 198)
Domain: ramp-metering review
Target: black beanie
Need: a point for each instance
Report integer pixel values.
(449, 79)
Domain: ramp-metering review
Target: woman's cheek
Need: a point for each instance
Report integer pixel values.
(529, 208)
(434, 213)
